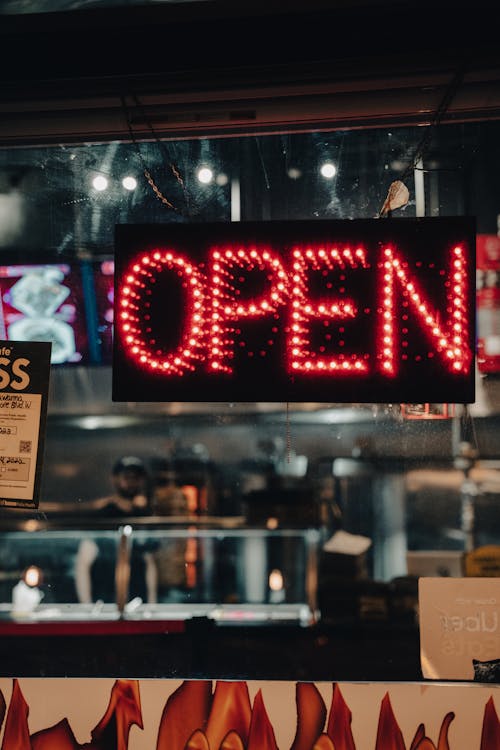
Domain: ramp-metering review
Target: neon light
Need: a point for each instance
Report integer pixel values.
(214, 306)
(300, 357)
(228, 272)
(134, 296)
(308, 310)
(449, 338)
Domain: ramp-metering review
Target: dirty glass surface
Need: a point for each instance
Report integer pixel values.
(66, 199)
(399, 482)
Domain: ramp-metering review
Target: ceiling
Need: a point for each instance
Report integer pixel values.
(188, 67)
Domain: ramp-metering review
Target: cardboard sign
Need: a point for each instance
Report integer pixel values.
(335, 311)
(24, 383)
(460, 628)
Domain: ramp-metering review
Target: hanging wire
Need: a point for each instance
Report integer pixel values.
(468, 428)
(262, 163)
(441, 110)
(423, 145)
(146, 171)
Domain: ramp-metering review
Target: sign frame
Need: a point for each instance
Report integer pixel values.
(348, 257)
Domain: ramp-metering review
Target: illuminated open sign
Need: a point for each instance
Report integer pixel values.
(336, 311)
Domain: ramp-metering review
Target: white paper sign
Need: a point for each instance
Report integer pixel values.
(460, 628)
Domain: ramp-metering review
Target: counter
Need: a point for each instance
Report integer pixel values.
(114, 714)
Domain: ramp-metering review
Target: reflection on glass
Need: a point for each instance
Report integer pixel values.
(374, 472)
(48, 204)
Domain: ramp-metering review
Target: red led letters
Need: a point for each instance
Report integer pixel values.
(213, 309)
(364, 310)
(226, 309)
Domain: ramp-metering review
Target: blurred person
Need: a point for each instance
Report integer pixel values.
(95, 559)
(129, 496)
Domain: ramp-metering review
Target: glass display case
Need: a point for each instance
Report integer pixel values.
(152, 570)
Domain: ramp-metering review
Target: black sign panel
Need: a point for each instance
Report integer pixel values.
(371, 310)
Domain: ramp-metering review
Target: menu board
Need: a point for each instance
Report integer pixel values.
(44, 302)
(24, 382)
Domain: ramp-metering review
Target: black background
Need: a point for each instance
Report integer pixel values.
(264, 377)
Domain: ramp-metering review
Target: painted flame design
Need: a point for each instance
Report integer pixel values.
(111, 733)
(194, 718)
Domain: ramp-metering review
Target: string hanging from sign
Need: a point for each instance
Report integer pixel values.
(288, 434)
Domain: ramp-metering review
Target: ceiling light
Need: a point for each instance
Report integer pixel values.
(99, 183)
(328, 170)
(129, 183)
(205, 175)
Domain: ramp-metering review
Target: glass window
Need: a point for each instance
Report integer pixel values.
(64, 201)
(398, 481)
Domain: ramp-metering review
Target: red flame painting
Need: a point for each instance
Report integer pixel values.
(195, 717)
